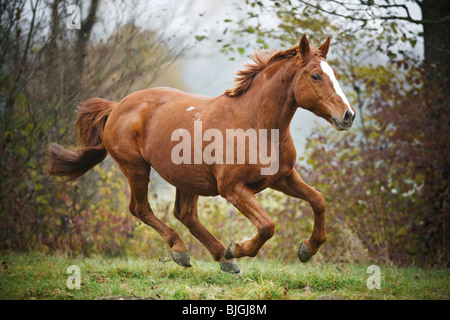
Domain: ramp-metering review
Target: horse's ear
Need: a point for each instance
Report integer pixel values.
(324, 47)
(303, 47)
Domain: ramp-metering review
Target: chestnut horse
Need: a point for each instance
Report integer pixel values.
(138, 133)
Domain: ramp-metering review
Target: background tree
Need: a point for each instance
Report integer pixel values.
(434, 20)
(45, 69)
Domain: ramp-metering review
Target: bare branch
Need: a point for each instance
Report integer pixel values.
(386, 17)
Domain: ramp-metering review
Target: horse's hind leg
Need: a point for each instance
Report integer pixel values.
(186, 211)
(138, 178)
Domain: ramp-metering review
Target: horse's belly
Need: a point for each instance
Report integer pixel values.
(192, 178)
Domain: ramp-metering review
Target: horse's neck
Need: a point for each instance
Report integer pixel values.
(269, 101)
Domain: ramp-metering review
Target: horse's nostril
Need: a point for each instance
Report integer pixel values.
(348, 116)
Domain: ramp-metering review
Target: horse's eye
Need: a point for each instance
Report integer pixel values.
(315, 77)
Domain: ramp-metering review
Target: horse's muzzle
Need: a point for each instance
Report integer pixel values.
(347, 121)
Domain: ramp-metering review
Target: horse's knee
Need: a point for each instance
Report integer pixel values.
(185, 209)
(186, 217)
(267, 230)
(133, 210)
(318, 203)
(189, 221)
(176, 213)
(142, 212)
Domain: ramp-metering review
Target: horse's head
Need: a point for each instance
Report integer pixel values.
(316, 88)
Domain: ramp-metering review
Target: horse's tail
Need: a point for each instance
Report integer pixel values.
(92, 116)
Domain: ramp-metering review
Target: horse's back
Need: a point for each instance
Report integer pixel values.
(148, 102)
(163, 94)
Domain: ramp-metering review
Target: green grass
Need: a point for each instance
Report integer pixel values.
(34, 276)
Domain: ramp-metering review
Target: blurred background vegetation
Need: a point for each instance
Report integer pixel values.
(386, 181)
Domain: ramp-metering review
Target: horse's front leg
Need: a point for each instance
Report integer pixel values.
(294, 186)
(245, 201)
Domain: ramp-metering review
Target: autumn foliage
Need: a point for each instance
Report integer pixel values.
(386, 181)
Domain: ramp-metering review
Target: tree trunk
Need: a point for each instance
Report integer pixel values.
(83, 36)
(437, 182)
(85, 32)
(436, 38)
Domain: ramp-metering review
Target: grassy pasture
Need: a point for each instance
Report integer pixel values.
(35, 276)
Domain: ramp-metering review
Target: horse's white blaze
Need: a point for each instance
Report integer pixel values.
(327, 69)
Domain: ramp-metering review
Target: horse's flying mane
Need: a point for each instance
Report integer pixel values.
(260, 61)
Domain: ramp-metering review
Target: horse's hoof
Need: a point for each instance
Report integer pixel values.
(229, 266)
(303, 253)
(229, 252)
(181, 258)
